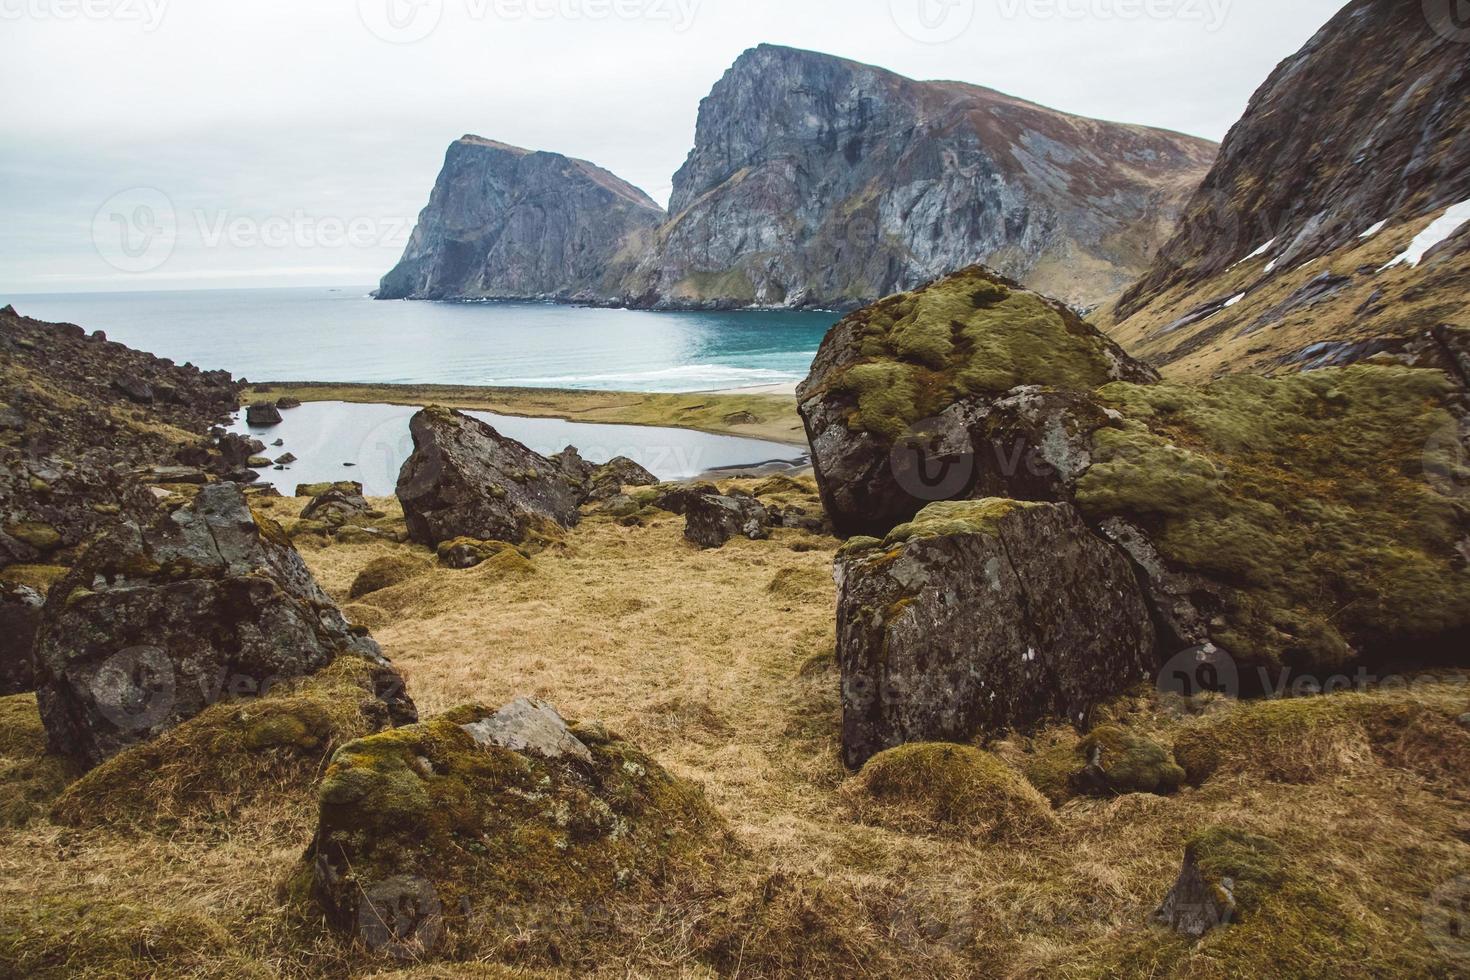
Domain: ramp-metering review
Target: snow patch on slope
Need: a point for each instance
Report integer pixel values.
(1438, 232)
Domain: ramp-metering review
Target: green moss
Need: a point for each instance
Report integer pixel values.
(502, 835)
(41, 536)
(948, 517)
(967, 334)
(229, 755)
(30, 777)
(943, 788)
(1131, 762)
(1310, 496)
(1254, 866)
(38, 577)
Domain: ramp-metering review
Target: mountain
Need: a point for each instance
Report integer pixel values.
(1333, 224)
(504, 222)
(815, 182)
(820, 181)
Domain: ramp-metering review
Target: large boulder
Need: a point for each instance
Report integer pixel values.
(981, 616)
(160, 620)
(20, 617)
(607, 481)
(263, 415)
(498, 823)
(885, 373)
(337, 505)
(711, 519)
(464, 479)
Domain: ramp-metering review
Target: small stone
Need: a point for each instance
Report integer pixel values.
(530, 727)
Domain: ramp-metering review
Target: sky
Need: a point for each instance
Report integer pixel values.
(186, 144)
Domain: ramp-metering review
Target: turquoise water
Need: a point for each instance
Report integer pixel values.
(317, 334)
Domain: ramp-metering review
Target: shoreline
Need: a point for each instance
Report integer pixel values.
(767, 413)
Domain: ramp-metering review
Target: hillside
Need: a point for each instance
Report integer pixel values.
(1333, 225)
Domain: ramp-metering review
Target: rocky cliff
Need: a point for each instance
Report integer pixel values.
(814, 182)
(820, 181)
(1329, 221)
(504, 222)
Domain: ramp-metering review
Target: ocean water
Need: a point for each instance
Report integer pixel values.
(319, 334)
(369, 443)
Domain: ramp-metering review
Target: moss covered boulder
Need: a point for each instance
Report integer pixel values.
(980, 616)
(464, 479)
(949, 790)
(885, 373)
(384, 573)
(161, 620)
(472, 828)
(268, 749)
(1119, 762)
(1228, 874)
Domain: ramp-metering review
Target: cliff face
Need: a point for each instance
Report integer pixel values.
(1348, 152)
(820, 181)
(504, 222)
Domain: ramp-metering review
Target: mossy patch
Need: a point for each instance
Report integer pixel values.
(30, 777)
(1313, 498)
(948, 789)
(231, 754)
(951, 517)
(506, 841)
(1127, 762)
(38, 577)
(386, 572)
(969, 334)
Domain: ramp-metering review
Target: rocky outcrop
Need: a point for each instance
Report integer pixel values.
(818, 181)
(51, 506)
(20, 617)
(464, 479)
(607, 481)
(1218, 497)
(566, 822)
(982, 616)
(1351, 149)
(897, 388)
(814, 181)
(263, 415)
(503, 222)
(711, 519)
(337, 505)
(1228, 874)
(160, 620)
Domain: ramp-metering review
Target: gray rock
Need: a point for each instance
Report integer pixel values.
(337, 505)
(263, 415)
(162, 619)
(1195, 906)
(607, 481)
(510, 223)
(710, 520)
(530, 727)
(20, 617)
(979, 617)
(464, 479)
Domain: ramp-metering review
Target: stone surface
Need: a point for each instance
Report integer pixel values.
(710, 520)
(607, 481)
(464, 479)
(530, 727)
(979, 617)
(159, 620)
(20, 617)
(1228, 874)
(337, 505)
(512, 223)
(917, 399)
(430, 830)
(263, 415)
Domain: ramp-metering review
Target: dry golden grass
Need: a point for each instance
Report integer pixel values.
(719, 664)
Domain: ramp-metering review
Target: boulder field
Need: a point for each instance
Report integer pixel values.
(1258, 527)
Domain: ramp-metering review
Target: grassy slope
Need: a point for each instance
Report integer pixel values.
(753, 416)
(720, 665)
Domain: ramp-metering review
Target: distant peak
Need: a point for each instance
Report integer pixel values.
(470, 139)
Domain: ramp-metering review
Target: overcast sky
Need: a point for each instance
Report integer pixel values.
(163, 144)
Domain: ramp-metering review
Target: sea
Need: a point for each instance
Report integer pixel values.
(323, 334)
